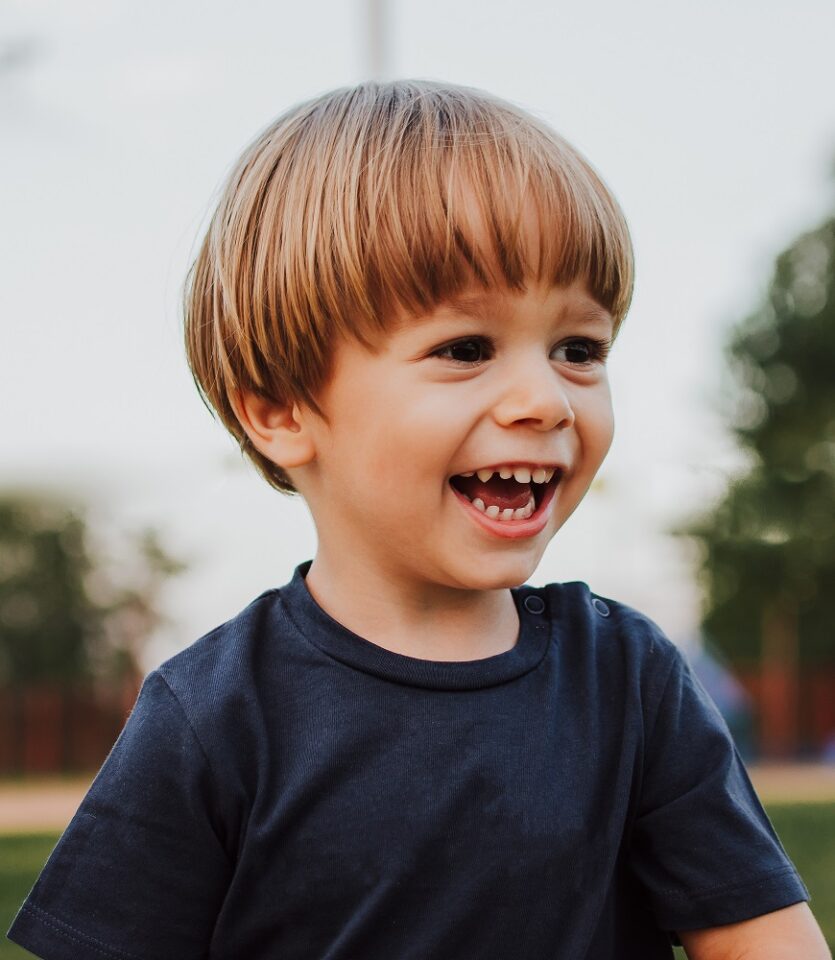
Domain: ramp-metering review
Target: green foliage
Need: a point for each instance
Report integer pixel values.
(771, 537)
(43, 562)
(64, 615)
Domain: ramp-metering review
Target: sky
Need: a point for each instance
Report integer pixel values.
(713, 123)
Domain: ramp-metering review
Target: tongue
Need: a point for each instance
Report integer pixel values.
(495, 492)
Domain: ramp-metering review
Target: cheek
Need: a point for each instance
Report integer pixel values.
(423, 426)
(608, 429)
(605, 408)
(599, 424)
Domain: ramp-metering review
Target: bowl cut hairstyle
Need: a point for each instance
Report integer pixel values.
(377, 202)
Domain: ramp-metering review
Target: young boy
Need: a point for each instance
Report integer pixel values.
(402, 311)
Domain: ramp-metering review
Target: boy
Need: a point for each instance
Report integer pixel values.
(402, 311)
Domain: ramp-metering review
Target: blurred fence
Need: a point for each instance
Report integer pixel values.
(50, 729)
(53, 729)
(794, 714)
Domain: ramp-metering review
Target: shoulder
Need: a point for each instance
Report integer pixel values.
(608, 622)
(218, 680)
(620, 645)
(219, 655)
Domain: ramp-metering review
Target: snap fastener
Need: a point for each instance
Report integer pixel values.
(534, 604)
(600, 606)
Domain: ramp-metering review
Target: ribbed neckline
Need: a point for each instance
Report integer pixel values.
(337, 641)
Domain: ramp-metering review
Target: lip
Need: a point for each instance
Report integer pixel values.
(513, 529)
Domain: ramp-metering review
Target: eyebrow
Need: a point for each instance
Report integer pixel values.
(591, 315)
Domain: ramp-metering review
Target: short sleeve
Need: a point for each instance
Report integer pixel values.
(702, 846)
(140, 873)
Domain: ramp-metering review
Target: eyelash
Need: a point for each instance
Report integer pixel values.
(598, 350)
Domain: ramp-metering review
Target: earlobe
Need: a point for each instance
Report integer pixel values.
(278, 431)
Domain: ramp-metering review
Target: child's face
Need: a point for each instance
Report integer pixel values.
(512, 380)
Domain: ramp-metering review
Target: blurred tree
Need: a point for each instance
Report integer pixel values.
(63, 614)
(767, 566)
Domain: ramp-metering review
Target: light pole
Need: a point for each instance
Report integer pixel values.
(377, 39)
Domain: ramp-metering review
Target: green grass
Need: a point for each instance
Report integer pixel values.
(806, 830)
(21, 859)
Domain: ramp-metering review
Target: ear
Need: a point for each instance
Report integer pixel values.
(278, 431)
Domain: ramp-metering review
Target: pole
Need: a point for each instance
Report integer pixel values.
(377, 38)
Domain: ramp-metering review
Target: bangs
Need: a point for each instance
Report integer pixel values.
(493, 202)
(451, 188)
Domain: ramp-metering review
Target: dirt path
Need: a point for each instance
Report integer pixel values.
(50, 804)
(39, 804)
(794, 782)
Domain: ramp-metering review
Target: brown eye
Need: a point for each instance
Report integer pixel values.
(585, 351)
(577, 352)
(465, 352)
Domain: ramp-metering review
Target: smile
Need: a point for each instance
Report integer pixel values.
(508, 501)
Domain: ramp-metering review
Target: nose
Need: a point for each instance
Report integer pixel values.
(534, 394)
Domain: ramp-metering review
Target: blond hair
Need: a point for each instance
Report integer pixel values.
(376, 201)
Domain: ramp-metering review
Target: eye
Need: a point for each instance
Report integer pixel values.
(585, 351)
(468, 352)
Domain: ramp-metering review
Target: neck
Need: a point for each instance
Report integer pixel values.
(426, 621)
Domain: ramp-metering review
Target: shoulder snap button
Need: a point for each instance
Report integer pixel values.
(534, 604)
(601, 607)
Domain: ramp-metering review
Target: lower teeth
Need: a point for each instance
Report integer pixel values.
(496, 513)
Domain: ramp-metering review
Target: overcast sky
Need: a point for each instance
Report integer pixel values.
(714, 123)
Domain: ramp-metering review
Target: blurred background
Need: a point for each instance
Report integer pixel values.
(130, 526)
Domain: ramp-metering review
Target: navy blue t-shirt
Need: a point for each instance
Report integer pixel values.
(286, 789)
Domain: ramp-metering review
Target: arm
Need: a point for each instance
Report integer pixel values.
(782, 935)
(141, 871)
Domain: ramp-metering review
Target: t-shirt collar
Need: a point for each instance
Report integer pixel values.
(337, 641)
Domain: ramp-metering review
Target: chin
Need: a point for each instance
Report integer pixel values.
(500, 573)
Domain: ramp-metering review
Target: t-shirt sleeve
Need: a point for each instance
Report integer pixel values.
(141, 872)
(702, 846)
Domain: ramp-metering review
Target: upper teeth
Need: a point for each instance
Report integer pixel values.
(520, 474)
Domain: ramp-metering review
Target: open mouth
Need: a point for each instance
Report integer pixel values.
(508, 494)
